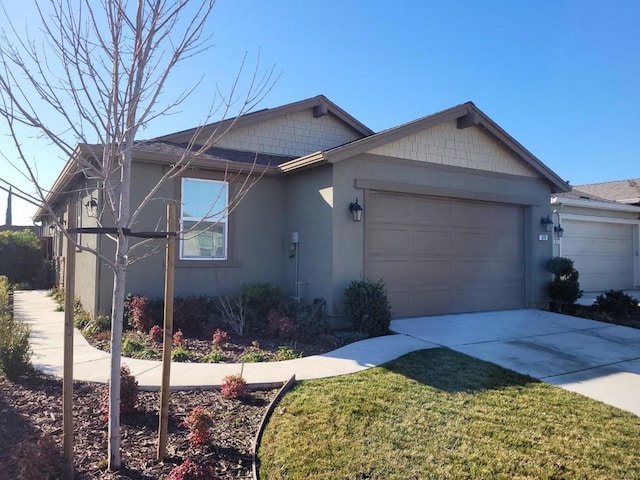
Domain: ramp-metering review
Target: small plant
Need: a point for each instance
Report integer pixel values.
(199, 422)
(281, 326)
(132, 347)
(260, 299)
(233, 310)
(139, 313)
(81, 320)
(181, 354)
(15, 351)
(128, 394)
(616, 303)
(101, 323)
(254, 356)
(234, 386)
(156, 334)
(179, 340)
(367, 307)
(287, 353)
(220, 338)
(190, 470)
(214, 356)
(41, 459)
(564, 289)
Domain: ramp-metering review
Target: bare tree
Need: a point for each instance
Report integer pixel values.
(99, 70)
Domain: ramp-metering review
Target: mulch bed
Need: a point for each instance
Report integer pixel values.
(33, 408)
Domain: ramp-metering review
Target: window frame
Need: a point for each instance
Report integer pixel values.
(219, 219)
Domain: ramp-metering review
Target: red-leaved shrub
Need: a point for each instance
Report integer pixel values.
(220, 338)
(128, 394)
(140, 314)
(179, 340)
(199, 422)
(155, 334)
(190, 470)
(234, 386)
(281, 326)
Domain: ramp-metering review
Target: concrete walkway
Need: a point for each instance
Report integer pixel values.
(598, 360)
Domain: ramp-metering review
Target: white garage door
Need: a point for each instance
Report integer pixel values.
(602, 253)
(442, 255)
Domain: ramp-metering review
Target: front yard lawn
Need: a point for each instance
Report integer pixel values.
(441, 414)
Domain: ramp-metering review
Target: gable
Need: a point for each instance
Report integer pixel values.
(295, 134)
(446, 144)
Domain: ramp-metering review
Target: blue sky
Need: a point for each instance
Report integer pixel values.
(559, 76)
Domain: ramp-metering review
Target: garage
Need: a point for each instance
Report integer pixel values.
(603, 253)
(445, 255)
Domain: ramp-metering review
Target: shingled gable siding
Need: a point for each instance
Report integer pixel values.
(295, 134)
(445, 144)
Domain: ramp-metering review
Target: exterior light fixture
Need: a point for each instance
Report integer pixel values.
(92, 208)
(559, 231)
(356, 210)
(546, 223)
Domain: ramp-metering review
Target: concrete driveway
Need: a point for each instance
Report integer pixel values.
(595, 359)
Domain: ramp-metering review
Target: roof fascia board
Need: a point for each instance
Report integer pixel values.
(205, 163)
(303, 162)
(594, 204)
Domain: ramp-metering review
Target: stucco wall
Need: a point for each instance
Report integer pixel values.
(309, 206)
(348, 237)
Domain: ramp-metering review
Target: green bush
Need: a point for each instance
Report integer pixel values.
(287, 353)
(260, 299)
(214, 356)
(616, 303)
(100, 323)
(367, 307)
(564, 289)
(21, 259)
(15, 351)
(309, 320)
(254, 356)
(181, 354)
(132, 347)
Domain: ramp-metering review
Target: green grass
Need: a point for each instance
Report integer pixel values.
(443, 415)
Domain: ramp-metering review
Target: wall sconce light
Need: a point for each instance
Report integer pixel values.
(356, 210)
(92, 208)
(559, 231)
(546, 223)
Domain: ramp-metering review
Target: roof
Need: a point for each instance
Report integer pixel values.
(578, 198)
(623, 191)
(319, 103)
(466, 114)
(579, 194)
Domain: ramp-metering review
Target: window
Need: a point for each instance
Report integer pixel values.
(203, 219)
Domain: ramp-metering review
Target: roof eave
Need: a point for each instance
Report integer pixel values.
(594, 204)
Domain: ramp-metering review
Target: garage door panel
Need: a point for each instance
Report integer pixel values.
(389, 239)
(395, 209)
(461, 256)
(602, 253)
(421, 272)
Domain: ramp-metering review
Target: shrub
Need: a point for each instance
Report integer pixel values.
(199, 422)
(134, 348)
(214, 356)
(179, 340)
(309, 320)
(128, 394)
(140, 316)
(616, 303)
(181, 354)
(156, 334)
(367, 307)
(564, 289)
(234, 386)
(254, 356)
(21, 259)
(41, 459)
(191, 314)
(15, 351)
(100, 323)
(260, 299)
(233, 313)
(81, 320)
(190, 470)
(287, 353)
(220, 338)
(281, 326)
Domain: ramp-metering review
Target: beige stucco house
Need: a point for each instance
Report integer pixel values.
(452, 208)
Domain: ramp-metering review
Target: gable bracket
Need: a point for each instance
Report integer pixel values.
(471, 119)
(320, 110)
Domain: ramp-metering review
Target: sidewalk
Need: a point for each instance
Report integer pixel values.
(93, 365)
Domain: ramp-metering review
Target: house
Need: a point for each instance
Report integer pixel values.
(600, 234)
(452, 208)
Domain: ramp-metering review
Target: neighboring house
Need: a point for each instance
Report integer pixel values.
(622, 191)
(452, 211)
(600, 235)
